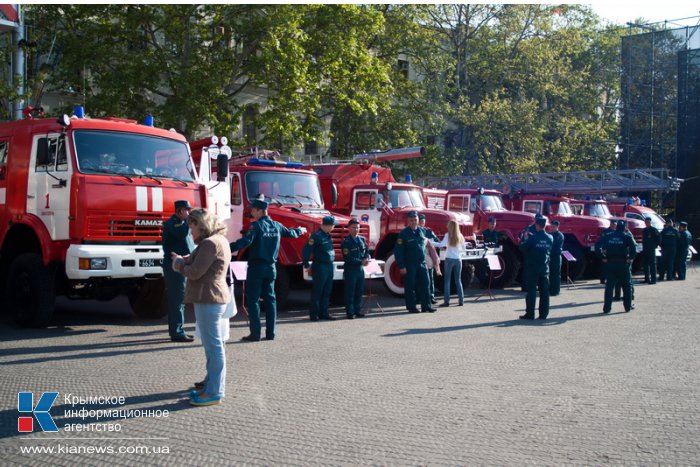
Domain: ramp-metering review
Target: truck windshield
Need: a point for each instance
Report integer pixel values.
(284, 188)
(599, 210)
(492, 203)
(131, 154)
(657, 221)
(403, 198)
(564, 208)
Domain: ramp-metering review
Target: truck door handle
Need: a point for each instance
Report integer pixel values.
(31, 196)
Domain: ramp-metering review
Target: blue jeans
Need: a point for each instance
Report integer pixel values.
(208, 316)
(453, 266)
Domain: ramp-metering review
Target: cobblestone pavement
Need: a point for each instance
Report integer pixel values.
(464, 386)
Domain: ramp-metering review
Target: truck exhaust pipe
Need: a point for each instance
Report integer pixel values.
(391, 154)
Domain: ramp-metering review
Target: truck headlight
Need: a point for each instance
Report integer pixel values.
(92, 263)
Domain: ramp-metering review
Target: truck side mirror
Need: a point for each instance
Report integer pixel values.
(334, 193)
(221, 167)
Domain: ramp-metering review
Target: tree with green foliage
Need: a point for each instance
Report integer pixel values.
(529, 88)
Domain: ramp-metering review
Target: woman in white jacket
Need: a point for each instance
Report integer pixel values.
(454, 241)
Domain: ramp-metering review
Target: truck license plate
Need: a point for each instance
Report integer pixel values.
(151, 262)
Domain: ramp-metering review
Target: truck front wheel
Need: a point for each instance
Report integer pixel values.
(574, 269)
(510, 265)
(148, 299)
(393, 279)
(282, 286)
(31, 290)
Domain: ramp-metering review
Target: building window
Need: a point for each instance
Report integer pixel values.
(403, 68)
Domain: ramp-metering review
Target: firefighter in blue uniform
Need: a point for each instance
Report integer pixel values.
(177, 239)
(320, 246)
(555, 260)
(529, 230)
(669, 245)
(263, 237)
(684, 241)
(536, 248)
(430, 235)
(599, 246)
(650, 241)
(356, 256)
(617, 253)
(410, 258)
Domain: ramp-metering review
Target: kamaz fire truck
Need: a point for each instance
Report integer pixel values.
(82, 203)
(363, 189)
(294, 197)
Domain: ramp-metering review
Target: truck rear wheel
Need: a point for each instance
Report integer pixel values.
(575, 268)
(510, 265)
(148, 299)
(31, 290)
(467, 274)
(393, 279)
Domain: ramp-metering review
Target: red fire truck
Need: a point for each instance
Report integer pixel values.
(294, 198)
(637, 212)
(481, 205)
(369, 192)
(82, 203)
(580, 232)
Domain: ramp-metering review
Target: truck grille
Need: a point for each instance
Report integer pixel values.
(467, 230)
(105, 227)
(340, 232)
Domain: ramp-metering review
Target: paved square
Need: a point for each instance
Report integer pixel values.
(464, 386)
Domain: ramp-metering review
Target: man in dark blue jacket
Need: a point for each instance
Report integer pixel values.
(176, 239)
(617, 253)
(356, 255)
(684, 241)
(410, 258)
(536, 248)
(320, 246)
(555, 260)
(669, 246)
(263, 237)
(650, 241)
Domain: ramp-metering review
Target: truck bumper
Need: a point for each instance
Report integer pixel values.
(474, 254)
(371, 272)
(114, 261)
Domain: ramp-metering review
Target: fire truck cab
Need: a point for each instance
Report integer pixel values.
(82, 203)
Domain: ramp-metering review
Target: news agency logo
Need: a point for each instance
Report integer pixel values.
(25, 404)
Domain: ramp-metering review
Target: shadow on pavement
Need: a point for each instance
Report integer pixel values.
(500, 324)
